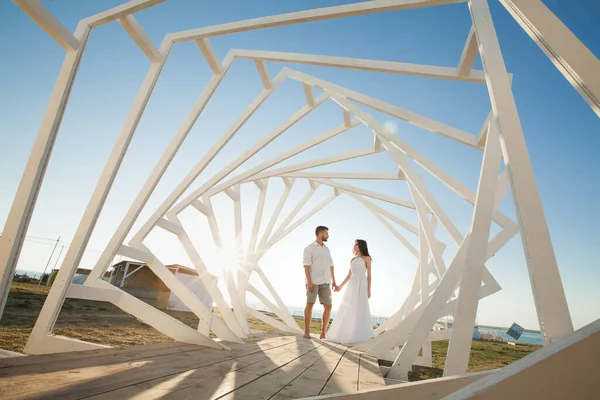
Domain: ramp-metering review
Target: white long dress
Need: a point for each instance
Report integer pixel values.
(352, 323)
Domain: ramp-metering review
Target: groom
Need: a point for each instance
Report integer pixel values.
(318, 268)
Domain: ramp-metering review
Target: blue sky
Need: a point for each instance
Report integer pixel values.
(560, 129)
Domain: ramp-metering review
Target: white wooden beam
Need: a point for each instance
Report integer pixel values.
(367, 193)
(118, 12)
(318, 14)
(44, 18)
(93, 293)
(170, 226)
(469, 54)
(140, 37)
(311, 164)
(572, 58)
(344, 175)
(390, 67)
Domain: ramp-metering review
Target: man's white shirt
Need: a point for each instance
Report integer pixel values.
(319, 259)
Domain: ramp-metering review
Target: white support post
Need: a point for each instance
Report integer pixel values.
(56, 297)
(289, 183)
(427, 232)
(44, 18)
(347, 118)
(423, 264)
(264, 74)
(459, 349)
(469, 54)
(260, 206)
(226, 269)
(17, 222)
(210, 283)
(209, 54)
(549, 296)
(140, 37)
(310, 98)
(572, 58)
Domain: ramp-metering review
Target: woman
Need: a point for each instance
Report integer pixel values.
(352, 322)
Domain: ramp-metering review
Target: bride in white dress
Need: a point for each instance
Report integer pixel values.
(352, 322)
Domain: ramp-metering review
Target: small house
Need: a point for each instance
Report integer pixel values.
(138, 280)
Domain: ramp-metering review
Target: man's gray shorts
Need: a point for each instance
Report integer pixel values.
(324, 292)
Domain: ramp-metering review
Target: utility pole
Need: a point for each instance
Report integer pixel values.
(50, 258)
(62, 246)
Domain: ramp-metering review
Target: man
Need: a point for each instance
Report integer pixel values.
(318, 269)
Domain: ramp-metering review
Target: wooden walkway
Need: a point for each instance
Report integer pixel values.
(268, 366)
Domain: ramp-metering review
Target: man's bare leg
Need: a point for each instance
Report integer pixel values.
(307, 319)
(326, 318)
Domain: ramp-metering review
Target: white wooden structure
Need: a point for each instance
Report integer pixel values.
(410, 328)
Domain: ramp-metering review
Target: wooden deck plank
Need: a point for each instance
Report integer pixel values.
(95, 360)
(270, 384)
(344, 378)
(160, 387)
(369, 373)
(266, 367)
(216, 388)
(312, 381)
(75, 355)
(72, 384)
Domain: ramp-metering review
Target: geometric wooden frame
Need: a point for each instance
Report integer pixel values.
(410, 327)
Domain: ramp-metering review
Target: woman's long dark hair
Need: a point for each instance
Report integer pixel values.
(362, 247)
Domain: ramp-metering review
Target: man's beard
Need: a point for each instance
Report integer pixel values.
(324, 239)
